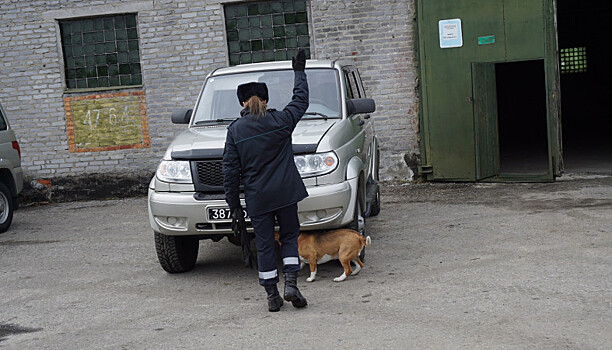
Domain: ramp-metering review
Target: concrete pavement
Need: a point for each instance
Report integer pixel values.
(451, 266)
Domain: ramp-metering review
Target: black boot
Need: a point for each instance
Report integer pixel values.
(274, 299)
(292, 293)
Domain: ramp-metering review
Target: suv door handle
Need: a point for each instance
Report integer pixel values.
(367, 116)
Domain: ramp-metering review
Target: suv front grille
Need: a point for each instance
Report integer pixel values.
(209, 172)
(208, 176)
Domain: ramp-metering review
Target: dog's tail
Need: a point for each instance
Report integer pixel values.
(365, 241)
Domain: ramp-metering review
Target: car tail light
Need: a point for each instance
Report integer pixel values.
(16, 146)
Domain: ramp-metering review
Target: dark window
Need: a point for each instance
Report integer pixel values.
(266, 31)
(101, 52)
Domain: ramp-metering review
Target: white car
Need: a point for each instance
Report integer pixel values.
(11, 174)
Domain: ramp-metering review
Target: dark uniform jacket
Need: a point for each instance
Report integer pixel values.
(259, 149)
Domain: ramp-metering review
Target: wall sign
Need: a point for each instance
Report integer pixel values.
(485, 40)
(450, 33)
(106, 122)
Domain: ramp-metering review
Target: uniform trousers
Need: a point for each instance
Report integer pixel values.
(289, 229)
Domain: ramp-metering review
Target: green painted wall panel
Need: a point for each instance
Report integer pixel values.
(449, 85)
(524, 29)
(448, 123)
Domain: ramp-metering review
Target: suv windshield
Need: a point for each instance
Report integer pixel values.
(219, 101)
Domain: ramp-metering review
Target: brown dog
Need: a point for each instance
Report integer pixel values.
(321, 247)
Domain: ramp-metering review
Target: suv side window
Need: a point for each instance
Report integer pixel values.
(352, 89)
(3, 125)
(359, 83)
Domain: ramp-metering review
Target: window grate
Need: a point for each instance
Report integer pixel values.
(101, 52)
(573, 60)
(266, 31)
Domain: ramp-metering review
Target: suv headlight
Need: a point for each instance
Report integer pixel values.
(174, 171)
(316, 164)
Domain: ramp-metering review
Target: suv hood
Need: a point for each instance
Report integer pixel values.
(209, 141)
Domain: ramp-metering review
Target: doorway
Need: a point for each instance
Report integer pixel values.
(521, 113)
(586, 71)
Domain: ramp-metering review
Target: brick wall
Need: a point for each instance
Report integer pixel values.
(379, 36)
(180, 42)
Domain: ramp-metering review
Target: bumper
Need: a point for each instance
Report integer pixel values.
(180, 214)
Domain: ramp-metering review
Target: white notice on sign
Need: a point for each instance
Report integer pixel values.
(450, 33)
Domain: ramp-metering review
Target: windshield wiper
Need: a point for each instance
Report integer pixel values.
(213, 121)
(317, 114)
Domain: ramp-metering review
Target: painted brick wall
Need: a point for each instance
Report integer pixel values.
(180, 42)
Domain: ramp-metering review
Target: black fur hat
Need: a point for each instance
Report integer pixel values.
(245, 91)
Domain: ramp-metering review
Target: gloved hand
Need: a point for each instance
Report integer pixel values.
(299, 63)
(238, 222)
(240, 230)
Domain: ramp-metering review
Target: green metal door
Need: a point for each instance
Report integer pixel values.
(485, 120)
(458, 126)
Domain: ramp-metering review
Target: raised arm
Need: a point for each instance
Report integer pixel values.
(299, 102)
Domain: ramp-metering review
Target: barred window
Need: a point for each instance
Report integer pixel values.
(266, 30)
(101, 52)
(573, 60)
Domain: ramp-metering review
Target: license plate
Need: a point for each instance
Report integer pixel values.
(222, 214)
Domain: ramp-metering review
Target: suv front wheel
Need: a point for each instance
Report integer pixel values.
(176, 253)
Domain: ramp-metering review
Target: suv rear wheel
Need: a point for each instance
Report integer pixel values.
(6, 208)
(358, 224)
(176, 253)
(375, 209)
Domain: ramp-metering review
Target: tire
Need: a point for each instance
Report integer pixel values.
(176, 254)
(358, 224)
(253, 245)
(6, 208)
(375, 208)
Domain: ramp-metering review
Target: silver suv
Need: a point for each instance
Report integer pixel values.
(335, 148)
(11, 174)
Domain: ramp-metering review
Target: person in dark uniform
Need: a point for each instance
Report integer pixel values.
(258, 149)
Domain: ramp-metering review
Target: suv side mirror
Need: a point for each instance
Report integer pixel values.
(181, 116)
(360, 105)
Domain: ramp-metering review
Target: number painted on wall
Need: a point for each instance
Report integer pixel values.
(113, 118)
(107, 122)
